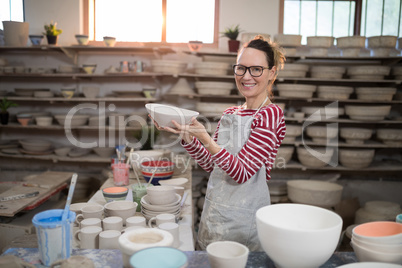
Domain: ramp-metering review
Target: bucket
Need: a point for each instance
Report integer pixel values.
(121, 174)
(54, 237)
(16, 33)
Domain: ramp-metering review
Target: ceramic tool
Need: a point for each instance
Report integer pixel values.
(150, 180)
(69, 197)
(18, 196)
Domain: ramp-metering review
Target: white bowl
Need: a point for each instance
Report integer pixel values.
(369, 70)
(327, 72)
(390, 136)
(367, 113)
(44, 120)
(334, 92)
(214, 88)
(314, 192)
(356, 158)
(227, 254)
(159, 195)
(75, 121)
(326, 112)
(104, 151)
(375, 93)
(320, 41)
(317, 157)
(284, 154)
(288, 40)
(109, 41)
(211, 68)
(292, 131)
(321, 133)
(164, 114)
(174, 182)
(123, 209)
(296, 90)
(364, 254)
(378, 247)
(63, 151)
(290, 233)
(351, 41)
(355, 135)
(386, 41)
(370, 265)
(82, 39)
(35, 145)
(168, 66)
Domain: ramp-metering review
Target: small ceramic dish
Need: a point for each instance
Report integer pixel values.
(109, 41)
(89, 68)
(82, 39)
(36, 40)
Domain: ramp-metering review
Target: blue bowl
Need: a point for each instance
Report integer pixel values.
(157, 257)
(36, 40)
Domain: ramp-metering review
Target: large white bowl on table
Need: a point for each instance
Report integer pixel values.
(297, 235)
(164, 114)
(315, 192)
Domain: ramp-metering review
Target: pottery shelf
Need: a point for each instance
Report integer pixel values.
(370, 144)
(83, 99)
(59, 127)
(91, 158)
(278, 98)
(374, 167)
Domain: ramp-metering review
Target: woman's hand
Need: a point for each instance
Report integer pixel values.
(187, 132)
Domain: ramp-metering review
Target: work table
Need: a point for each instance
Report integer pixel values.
(196, 259)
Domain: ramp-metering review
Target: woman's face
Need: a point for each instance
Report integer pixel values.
(253, 87)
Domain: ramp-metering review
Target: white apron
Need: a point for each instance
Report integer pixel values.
(229, 208)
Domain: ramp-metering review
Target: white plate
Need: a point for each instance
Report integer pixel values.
(144, 200)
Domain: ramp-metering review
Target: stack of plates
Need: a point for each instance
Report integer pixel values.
(148, 210)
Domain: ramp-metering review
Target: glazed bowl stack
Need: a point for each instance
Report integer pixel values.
(163, 170)
(314, 192)
(389, 136)
(381, 46)
(367, 113)
(211, 68)
(319, 45)
(378, 241)
(311, 239)
(356, 135)
(293, 70)
(350, 45)
(377, 210)
(292, 132)
(375, 93)
(334, 92)
(214, 88)
(160, 199)
(356, 158)
(296, 90)
(327, 72)
(368, 72)
(35, 145)
(168, 66)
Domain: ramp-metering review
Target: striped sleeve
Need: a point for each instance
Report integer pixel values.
(267, 133)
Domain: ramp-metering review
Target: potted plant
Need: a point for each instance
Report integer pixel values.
(4, 105)
(52, 33)
(232, 33)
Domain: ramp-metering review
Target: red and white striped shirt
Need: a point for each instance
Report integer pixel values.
(267, 132)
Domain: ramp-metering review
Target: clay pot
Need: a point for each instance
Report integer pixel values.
(52, 39)
(233, 45)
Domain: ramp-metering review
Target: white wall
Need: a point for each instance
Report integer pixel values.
(260, 16)
(65, 13)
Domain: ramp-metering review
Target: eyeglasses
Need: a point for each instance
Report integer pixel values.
(254, 71)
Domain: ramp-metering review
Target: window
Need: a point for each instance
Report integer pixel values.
(11, 10)
(342, 17)
(173, 21)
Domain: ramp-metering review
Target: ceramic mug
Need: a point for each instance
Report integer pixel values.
(161, 218)
(90, 222)
(90, 211)
(136, 221)
(88, 237)
(109, 239)
(112, 223)
(172, 228)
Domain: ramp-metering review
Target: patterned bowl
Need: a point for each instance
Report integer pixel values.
(115, 193)
(164, 170)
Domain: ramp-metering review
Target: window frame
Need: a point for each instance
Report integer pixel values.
(88, 19)
(356, 23)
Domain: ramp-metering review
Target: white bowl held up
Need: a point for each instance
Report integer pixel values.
(164, 114)
(295, 235)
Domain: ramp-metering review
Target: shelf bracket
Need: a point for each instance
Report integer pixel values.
(72, 54)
